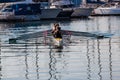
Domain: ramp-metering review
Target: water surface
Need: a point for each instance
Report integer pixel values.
(83, 58)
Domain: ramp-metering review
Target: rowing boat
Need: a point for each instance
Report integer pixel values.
(58, 42)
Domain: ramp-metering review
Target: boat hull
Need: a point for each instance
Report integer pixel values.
(82, 12)
(68, 4)
(50, 13)
(45, 14)
(58, 42)
(107, 11)
(65, 13)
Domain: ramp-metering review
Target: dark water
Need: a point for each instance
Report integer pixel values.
(83, 58)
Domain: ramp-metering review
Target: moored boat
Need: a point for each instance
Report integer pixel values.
(27, 12)
(77, 10)
(65, 6)
(82, 12)
(108, 9)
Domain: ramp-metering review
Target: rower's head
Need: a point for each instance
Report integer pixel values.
(56, 26)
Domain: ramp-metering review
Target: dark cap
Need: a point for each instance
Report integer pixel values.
(56, 24)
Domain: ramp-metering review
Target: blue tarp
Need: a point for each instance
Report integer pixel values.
(6, 1)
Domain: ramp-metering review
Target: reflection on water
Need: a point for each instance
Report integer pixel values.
(99, 61)
(83, 58)
(110, 59)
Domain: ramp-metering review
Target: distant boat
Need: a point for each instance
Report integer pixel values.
(77, 11)
(25, 11)
(108, 9)
(7, 1)
(65, 5)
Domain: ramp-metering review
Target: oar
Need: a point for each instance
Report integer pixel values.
(12, 41)
(45, 35)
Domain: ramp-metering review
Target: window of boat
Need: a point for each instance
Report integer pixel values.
(7, 10)
(44, 4)
(64, 6)
(27, 9)
(20, 7)
(71, 5)
(9, 6)
(35, 7)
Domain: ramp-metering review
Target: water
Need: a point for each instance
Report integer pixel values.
(83, 58)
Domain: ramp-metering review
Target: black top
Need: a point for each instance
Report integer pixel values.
(57, 34)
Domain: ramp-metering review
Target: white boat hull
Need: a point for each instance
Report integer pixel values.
(82, 12)
(107, 11)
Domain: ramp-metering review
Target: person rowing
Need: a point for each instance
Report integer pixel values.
(56, 31)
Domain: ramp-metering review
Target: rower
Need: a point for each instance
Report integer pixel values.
(56, 31)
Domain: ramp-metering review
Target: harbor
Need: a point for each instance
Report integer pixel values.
(29, 10)
(88, 49)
